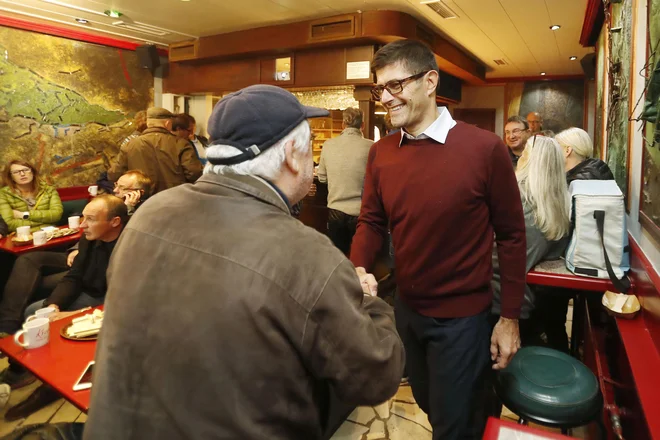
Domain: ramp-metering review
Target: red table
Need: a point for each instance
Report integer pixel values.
(498, 429)
(554, 273)
(6, 245)
(58, 363)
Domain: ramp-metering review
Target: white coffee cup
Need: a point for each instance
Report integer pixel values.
(39, 238)
(35, 333)
(74, 222)
(93, 190)
(23, 232)
(42, 313)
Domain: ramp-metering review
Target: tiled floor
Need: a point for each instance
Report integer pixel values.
(398, 419)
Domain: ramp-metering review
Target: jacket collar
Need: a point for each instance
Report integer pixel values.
(249, 185)
(157, 130)
(352, 131)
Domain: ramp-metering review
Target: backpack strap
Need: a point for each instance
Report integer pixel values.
(623, 284)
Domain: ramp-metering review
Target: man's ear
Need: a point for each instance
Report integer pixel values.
(115, 222)
(431, 82)
(291, 157)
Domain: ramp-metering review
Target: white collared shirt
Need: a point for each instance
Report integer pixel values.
(437, 131)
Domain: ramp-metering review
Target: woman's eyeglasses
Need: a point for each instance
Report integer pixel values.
(23, 171)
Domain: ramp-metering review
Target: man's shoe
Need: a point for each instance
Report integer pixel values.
(16, 379)
(42, 396)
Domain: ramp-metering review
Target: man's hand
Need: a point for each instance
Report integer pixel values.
(505, 342)
(132, 198)
(18, 214)
(72, 256)
(368, 281)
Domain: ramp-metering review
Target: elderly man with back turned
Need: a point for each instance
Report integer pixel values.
(165, 158)
(443, 188)
(249, 318)
(342, 165)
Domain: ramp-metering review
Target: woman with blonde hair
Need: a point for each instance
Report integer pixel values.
(26, 200)
(578, 152)
(544, 197)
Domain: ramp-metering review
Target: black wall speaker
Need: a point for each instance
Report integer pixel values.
(589, 65)
(449, 87)
(148, 56)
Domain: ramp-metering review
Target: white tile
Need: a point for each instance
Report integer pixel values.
(349, 431)
(67, 413)
(377, 430)
(411, 412)
(403, 429)
(362, 415)
(383, 410)
(404, 394)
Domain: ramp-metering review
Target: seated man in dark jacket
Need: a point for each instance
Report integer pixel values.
(84, 285)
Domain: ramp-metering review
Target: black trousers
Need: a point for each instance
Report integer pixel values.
(341, 229)
(448, 362)
(33, 277)
(550, 310)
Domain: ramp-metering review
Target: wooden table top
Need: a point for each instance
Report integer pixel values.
(554, 273)
(58, 363)
(6, 245)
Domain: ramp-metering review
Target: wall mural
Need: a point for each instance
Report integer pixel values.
(561, 103)
(66, 105)
(619, 88)
(601, 73)
(651, 154)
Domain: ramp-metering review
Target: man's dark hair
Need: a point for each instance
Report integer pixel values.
(116, 207)
(415, 56)
(519, 119)
(182, 121)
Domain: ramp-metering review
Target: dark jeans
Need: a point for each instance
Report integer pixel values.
(550, 311)
(341, 229)
(448, 362)
(34, 277)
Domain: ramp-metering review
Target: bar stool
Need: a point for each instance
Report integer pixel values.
(550, 388)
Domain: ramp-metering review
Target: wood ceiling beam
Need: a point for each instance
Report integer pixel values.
(369, 27)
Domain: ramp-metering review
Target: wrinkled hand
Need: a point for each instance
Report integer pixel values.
(18, 214)
(504, 342)
(71, 257)
(132, 198)
(368, 281)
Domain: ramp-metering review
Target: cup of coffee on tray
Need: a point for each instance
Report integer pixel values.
(42, 313)
(74, 222)
(93, 190)
(23, 233)
(39, 238)
(36, 333)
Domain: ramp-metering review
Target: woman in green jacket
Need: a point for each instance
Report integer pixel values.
(27, 201)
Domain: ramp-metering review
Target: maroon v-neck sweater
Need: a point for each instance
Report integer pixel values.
(442, 203)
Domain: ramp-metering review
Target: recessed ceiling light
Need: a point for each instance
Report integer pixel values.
(113, 14)
(554, 27)
(542, 73)
(82, 21)
(573, 58)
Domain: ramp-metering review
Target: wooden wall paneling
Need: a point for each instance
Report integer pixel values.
(212, 78)
(317, 68)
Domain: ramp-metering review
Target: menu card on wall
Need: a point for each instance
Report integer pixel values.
(358, 70)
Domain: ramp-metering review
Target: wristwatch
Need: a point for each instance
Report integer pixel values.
(26, 215)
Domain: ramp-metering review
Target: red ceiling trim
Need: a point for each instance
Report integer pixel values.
(593, 22)
(493, 81)
(70, 34)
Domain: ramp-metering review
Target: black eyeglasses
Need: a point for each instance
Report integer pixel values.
(395, 86)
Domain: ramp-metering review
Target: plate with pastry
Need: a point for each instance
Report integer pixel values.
(621, 305)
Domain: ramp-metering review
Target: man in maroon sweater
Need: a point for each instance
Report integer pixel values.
(443, 188)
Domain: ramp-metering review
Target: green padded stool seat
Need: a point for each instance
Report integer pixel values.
(550, 388)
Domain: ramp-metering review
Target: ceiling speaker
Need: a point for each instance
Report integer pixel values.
(589, 65)
(148, 57)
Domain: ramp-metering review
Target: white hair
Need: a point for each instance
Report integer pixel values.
(542, 183)
(578, 140)
(266, 165)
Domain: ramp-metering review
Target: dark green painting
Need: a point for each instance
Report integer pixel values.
(66, 105)
(650, 202)
(617, 120)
